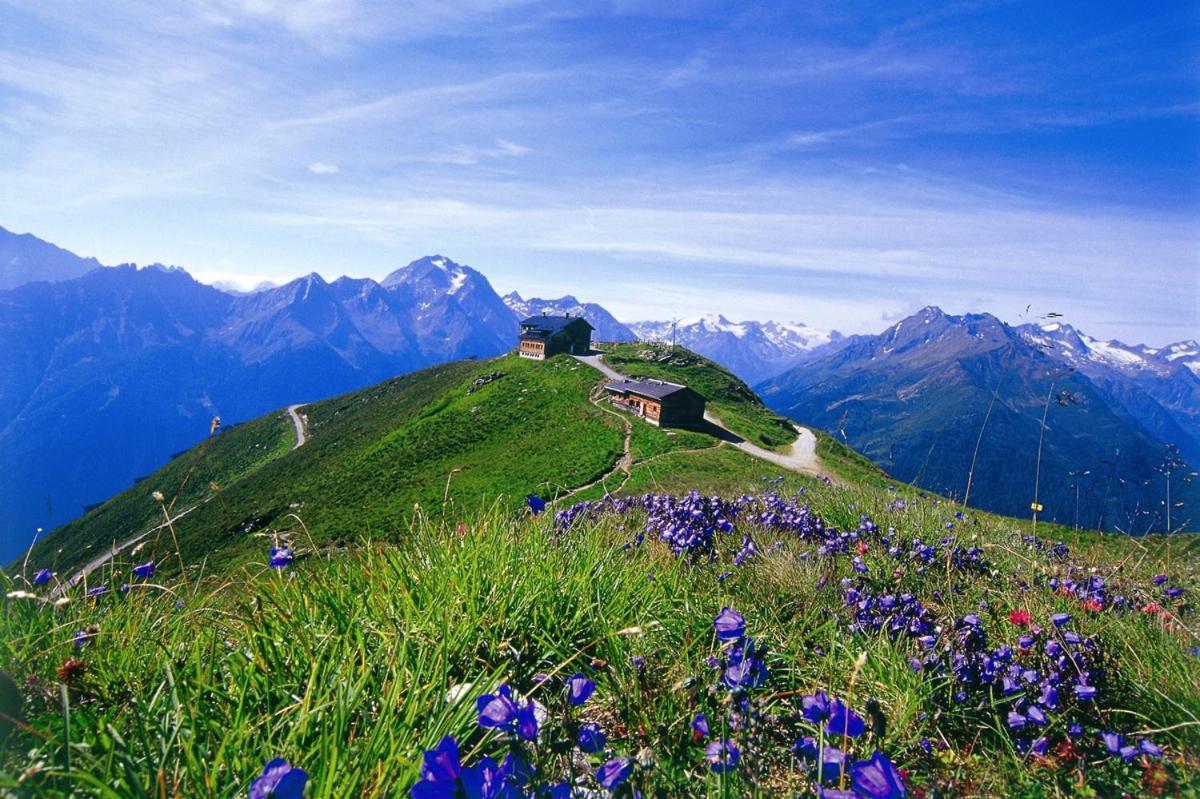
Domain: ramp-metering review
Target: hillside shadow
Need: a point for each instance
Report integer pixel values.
(719, 433)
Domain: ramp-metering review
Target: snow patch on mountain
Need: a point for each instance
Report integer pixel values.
(752, 350)
(606, 327)
(1113, 353)
(1068, 344)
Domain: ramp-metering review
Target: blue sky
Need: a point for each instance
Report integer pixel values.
(838, 163)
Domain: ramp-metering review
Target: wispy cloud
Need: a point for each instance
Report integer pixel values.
(810, 163)
(954, 250)
(868, 132)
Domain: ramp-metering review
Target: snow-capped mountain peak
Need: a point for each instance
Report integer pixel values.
(1068, 344)
(752, 350)
(437, 272)
(1181, 349)
(607, 328)
(717, 323)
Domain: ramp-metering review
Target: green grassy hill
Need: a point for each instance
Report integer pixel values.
(472, 433)
(378, 641)
(729, 399)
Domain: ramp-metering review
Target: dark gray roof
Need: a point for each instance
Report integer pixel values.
(646, 388)
(545, 326)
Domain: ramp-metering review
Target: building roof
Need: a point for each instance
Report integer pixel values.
(545, 326)
(655, 389)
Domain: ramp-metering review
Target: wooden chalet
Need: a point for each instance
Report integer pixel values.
(658, 402)
(545, 336)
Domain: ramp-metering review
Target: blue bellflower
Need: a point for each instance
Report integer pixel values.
(591, 738)
(833, 763)
(746, 669)
(877, 778)
(440, 772)
(614, 773)
(279, 780)
(730, 625)
(281, 557)
(722, 756)
(579, 688)
(500, 711)
(488, 780)
(844, 721)
(816, 707)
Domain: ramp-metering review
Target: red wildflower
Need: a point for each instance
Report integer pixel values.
(1092, 605)
(71, 670)
(1155, 778)
(1066, 751)
(863, 548)
(1020, 617)
(1152, 607)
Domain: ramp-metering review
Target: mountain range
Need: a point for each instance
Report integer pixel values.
(24, 258)
(753, 351)
(1157, 388)
(607, 328)
(110, 370)
(923, 397)
(106, 375)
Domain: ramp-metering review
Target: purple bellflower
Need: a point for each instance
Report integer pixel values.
(279, 780)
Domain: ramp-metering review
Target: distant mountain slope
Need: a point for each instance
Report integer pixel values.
(24, 258)
(606, 325)
(915, 398)
(105, 376)
(1158, 388)
(753, 351)
(453, 309)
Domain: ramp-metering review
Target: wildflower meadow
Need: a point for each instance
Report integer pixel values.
(799, 640)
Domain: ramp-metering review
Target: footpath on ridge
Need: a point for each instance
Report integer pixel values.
(98, 561)
(801, 456)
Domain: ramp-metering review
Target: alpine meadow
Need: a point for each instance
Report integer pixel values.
(655, 400)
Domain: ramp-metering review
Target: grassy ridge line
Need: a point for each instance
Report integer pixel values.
(738, 407)
(465, 431)
(350, 681)
(187, 479)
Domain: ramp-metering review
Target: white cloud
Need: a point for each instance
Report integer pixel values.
(505, 147)
(208, 114)
(237, 281)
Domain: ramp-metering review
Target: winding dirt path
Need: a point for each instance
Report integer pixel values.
(801, 456)
(624, 464)
(299, 421)
(100, 560)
